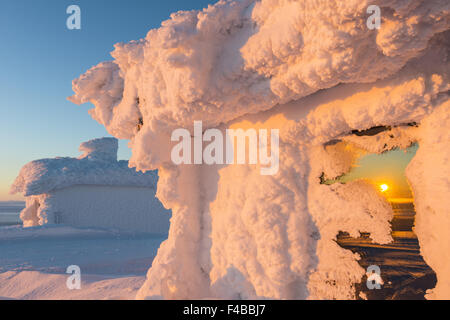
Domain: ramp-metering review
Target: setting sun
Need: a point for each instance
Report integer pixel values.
(384, 187)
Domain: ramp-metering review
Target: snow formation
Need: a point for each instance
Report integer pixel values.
(97, 166)
(315, 71)
(94, 190)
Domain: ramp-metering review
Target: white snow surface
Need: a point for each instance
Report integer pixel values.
(313, 70)
(34, 285)
(34, 261)
(97, 166)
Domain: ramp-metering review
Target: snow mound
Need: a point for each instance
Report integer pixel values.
(97, 166)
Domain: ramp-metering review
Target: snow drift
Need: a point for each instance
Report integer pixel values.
(315, 71)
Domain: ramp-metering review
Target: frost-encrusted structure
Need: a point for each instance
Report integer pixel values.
(315, 71)
(94, 190)
(97, 166)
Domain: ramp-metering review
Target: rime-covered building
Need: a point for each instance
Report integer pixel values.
(94, 190)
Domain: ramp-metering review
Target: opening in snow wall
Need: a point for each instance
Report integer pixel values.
(275, 65)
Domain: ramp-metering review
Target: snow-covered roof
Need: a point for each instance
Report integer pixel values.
(97, 166)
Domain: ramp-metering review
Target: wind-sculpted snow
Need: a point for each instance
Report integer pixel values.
(240, 57)
(429, 175)
(97, 166)
(313, 70)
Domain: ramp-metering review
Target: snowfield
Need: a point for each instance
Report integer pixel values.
(34, 261)
(94, 190)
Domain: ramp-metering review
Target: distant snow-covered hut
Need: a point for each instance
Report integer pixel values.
(94, 190)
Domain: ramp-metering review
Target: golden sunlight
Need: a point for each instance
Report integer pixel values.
(384, 187)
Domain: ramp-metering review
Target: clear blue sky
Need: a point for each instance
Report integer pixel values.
(39, 57)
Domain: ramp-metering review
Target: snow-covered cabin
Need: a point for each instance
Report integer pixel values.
(94, 190)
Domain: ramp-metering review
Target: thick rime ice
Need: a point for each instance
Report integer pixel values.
(429, 175)
(313, 70)
(97, 166)
(94, 190)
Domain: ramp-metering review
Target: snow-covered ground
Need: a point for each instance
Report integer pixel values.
(38, 285)
(34, 261)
